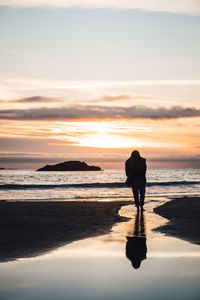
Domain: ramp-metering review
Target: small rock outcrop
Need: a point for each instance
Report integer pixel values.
(70, 166)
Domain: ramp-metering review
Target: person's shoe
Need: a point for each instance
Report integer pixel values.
(142, 208)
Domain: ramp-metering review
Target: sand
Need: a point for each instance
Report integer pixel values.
(32, 228)
(184, 218)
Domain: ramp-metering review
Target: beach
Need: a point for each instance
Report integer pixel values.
(41, 211)
(78, 250)
(184, 218)
(32, 228)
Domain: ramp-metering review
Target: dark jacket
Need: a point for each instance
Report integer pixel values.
(136, 168)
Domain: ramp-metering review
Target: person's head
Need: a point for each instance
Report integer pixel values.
(136, 263)
(135, 154)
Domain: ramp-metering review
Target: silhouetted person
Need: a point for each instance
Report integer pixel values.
(135, 168)
(136, 248)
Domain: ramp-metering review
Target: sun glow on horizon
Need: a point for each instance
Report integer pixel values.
(113, 134)
(117, 141)
(109, 141)
(110, 134)
(106, 134)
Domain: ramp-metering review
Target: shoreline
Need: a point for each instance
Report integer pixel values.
(183, 216)
(29, 229)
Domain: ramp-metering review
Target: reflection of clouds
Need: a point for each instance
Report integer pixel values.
(159, 254)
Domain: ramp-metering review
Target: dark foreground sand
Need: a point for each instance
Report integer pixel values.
(29, 229)
(184, 218)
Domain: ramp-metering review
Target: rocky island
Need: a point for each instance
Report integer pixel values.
(70, 166)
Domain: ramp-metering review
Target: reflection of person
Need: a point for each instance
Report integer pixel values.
(136, 248)
(135, 168)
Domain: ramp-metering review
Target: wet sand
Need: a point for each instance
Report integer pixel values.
(32, 228)
(184, 218)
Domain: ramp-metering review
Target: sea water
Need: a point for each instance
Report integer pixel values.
(107, 185)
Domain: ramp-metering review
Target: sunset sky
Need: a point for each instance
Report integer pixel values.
(93, 80)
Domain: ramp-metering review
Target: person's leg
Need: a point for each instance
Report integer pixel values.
(141, 187)
(135, 193)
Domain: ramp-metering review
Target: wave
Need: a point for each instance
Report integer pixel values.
(74, 199)
(90, 185)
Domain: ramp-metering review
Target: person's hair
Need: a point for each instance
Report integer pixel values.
(135, 153)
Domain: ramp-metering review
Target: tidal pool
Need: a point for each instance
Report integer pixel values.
(131, 262)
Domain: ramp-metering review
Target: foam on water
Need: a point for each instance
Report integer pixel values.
(105, 185)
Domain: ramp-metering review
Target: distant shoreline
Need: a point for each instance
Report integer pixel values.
(32, 228)
(184, 218)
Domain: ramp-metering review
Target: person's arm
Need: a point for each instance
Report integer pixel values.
(127, 168)
(145, 167)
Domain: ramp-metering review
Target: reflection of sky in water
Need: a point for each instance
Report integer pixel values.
(97, 268)
(73, 273)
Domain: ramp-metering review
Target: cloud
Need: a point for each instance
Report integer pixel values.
(35, 99)
(179, 6)
(92, 158)
(41, 158)
(122, 97)
(114, 98)
(25, 84)
(185, 158)
(90, 112)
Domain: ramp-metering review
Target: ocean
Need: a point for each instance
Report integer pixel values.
(107, 185)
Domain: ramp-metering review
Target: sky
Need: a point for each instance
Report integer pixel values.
(93, 80)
